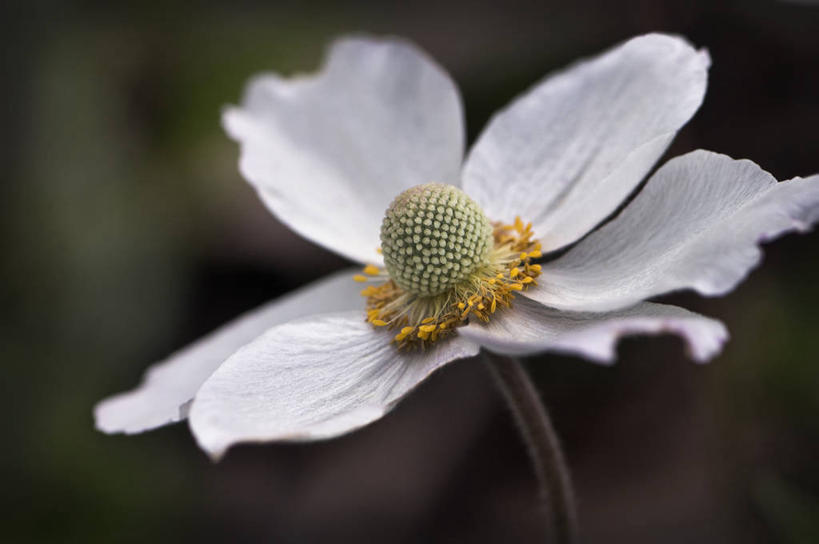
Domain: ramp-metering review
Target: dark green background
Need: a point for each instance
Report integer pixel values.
(127, 231)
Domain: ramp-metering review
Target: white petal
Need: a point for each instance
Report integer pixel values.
(310, 379)
(530, 327)
(169, 386)
(328, 153)
(567, 153)
(697, 224)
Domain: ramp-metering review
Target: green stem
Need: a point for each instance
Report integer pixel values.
(542, 443)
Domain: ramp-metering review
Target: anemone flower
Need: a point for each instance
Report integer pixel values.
(468, 247)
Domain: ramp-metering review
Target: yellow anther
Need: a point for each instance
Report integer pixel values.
(359, 278)
(406, 331)
(419, 322)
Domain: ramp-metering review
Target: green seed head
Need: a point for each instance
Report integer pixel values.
(434, 237)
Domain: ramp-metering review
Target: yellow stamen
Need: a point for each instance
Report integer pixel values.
(371, 270)
(420, 321)
(359, 278)
(406, 331)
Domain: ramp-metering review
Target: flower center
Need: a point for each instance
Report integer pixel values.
(445, 263)
(433, 237)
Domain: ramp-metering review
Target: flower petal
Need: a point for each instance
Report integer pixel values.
(696, 224)
(568, 152)
(531, 327)
(310, 379)
(329, 152)
(169, 386)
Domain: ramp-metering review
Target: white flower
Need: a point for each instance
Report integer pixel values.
(327, 154)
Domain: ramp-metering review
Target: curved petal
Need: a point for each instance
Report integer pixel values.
(531, 327)
(310, 379)
(329, 152)
(696, 224)
(168, 387)
(567, 153)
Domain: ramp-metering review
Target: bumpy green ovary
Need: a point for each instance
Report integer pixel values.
(433, 237)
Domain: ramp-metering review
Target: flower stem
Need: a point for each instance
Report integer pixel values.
(542, 442)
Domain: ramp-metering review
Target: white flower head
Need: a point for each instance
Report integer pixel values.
(463, 239)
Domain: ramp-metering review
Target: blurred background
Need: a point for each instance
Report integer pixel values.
(128, 232)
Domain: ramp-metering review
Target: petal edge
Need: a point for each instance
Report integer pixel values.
(311, 379)
(566, 153)
(530, 327)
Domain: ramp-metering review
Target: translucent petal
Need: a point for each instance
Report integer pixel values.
(567, 153)
(169, 386)
(310, 379)
(327, 153)
(697, 224)
(531, 327)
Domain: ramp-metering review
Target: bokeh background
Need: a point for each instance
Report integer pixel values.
(127, 232)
